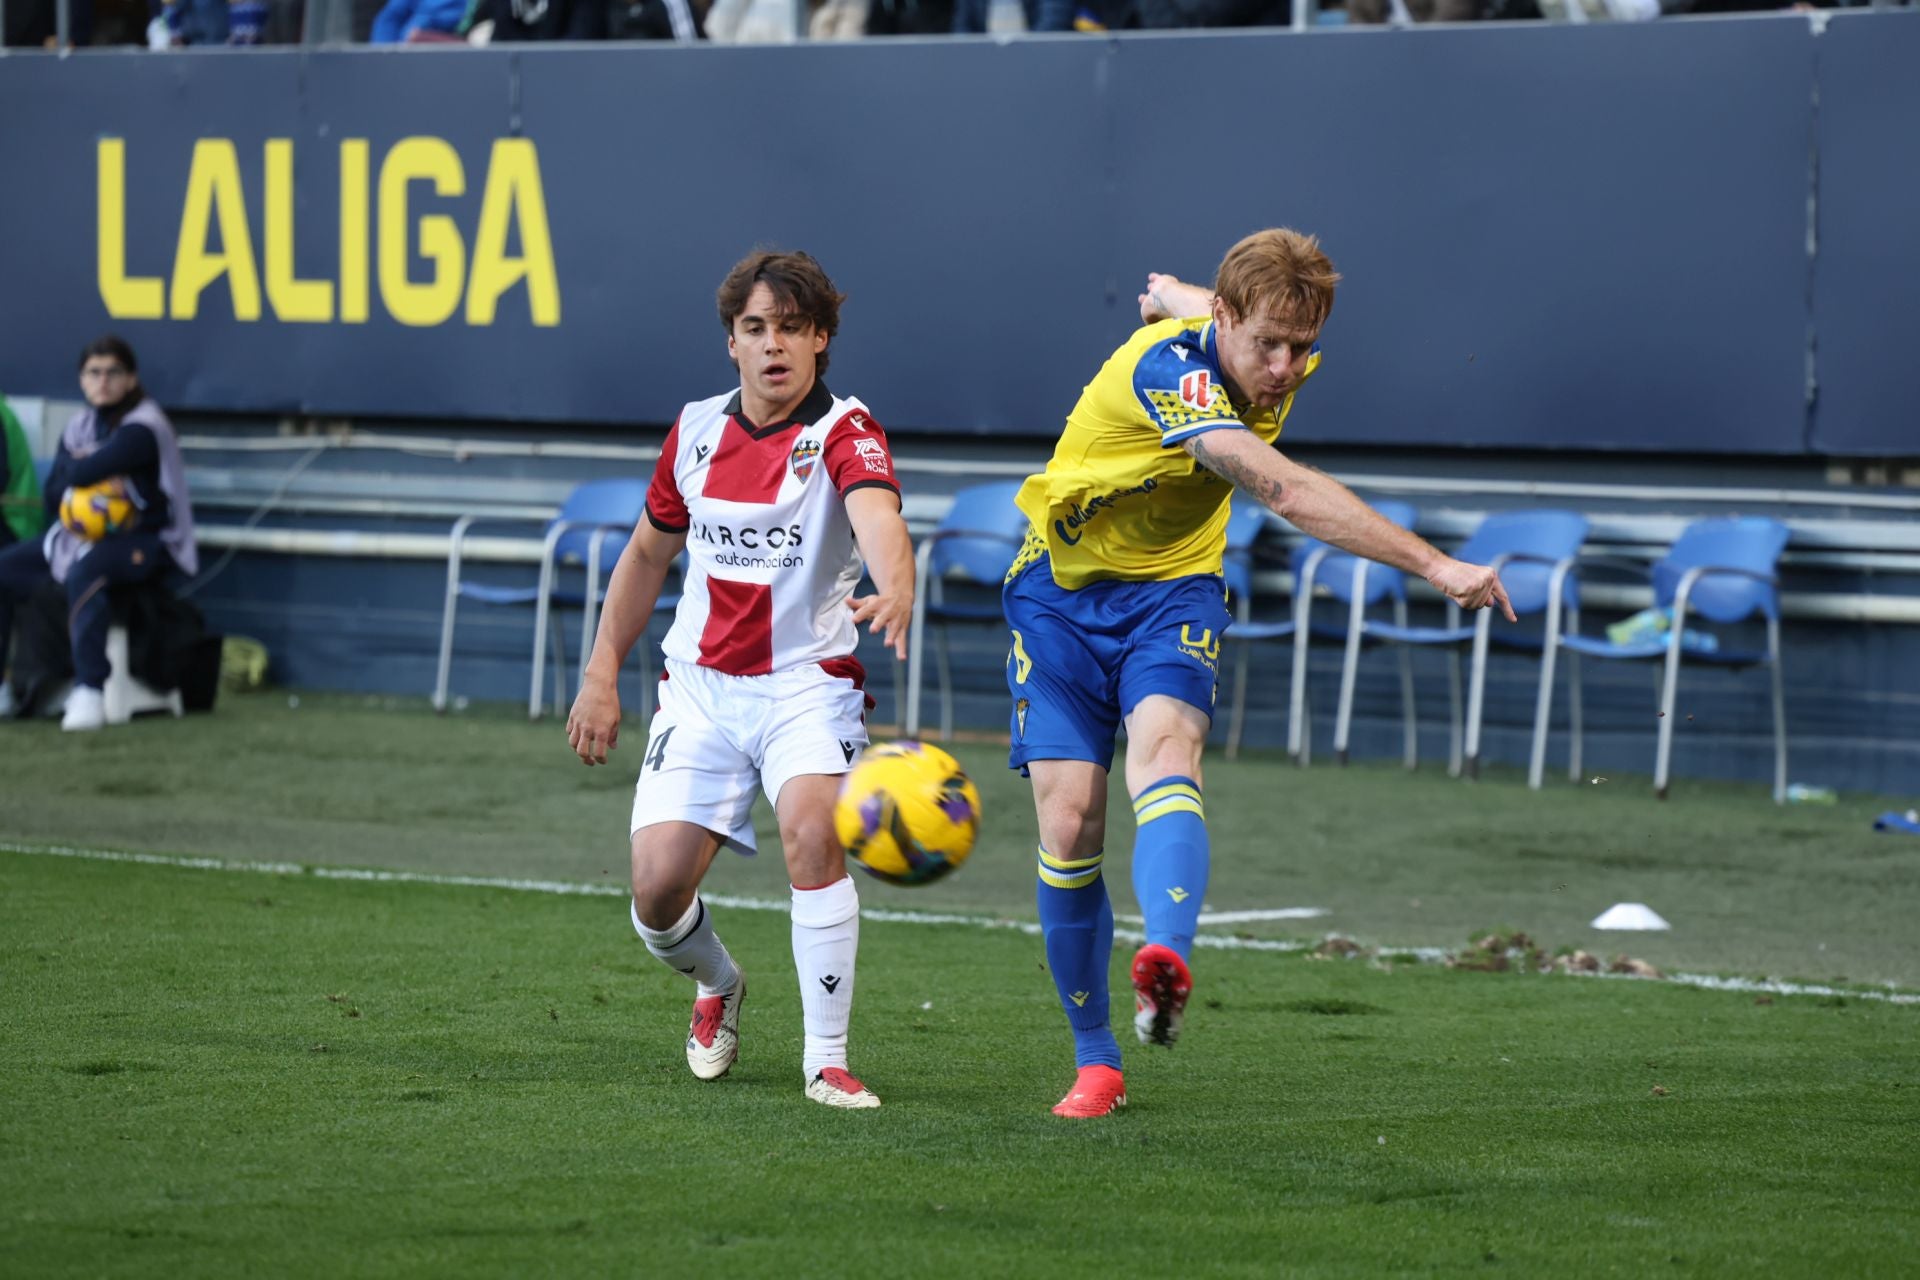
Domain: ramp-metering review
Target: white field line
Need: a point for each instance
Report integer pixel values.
(1245, 917)
(1220, 942)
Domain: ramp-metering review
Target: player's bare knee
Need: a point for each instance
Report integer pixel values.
(812, 850)
(1164, 749)
(663, 888)
(660, 901)
(1071, 832)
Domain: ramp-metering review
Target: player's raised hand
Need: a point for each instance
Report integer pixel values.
(888, 616)
(593, 726)
(1471, 586)
(1151, 311)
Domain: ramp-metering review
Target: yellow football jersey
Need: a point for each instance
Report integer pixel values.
(1120, 498)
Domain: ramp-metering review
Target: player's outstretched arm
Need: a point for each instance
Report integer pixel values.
(593, 726)
(1317, 504)
(888, 550)
(1169, 296)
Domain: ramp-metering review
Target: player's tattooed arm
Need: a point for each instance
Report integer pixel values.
(1212, 451)
(1168, 296)
(1317, 504)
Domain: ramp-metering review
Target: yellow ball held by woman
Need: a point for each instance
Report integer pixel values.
(96, 510)
(907, 813)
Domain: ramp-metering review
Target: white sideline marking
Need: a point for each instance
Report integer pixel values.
(1218, 942)
(1245, 917)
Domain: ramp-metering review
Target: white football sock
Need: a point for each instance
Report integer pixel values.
(691, 947)
(826, 933)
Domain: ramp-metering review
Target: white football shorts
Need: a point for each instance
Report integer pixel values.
(718, 737)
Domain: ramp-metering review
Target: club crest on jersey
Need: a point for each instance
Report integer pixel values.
(1197, 390)
(805, 456)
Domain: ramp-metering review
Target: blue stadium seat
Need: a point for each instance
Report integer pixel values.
(975, 543)
(1246, 521)
(1534, 552)
(1360, 584)
(1725, 570)
(591, 531)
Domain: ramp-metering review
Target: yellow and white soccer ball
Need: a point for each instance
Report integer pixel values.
(96, 510)
(907, 812)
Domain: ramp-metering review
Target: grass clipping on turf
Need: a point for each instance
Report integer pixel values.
(1503, 951)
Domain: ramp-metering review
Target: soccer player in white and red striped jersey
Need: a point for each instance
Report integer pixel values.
(776, 491)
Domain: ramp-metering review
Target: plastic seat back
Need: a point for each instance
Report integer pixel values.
(981, 509)
(1551, 535)
(1336, 571)
(616, 502)
(1753, 543)
(1246, 520)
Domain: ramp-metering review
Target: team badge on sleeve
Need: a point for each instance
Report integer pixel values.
(1198, 391)
(805, 456)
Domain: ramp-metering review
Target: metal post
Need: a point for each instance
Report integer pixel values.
(63, 23)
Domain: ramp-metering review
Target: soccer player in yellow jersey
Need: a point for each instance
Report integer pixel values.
(1117, 607)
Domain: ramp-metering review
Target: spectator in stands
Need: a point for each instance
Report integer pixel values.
(909, 17)
(178, 23)
(838, 19)
(658, 20)
(517, 20)
(1166, 15)
(34, 23)
(22, 513)
(1405, 11)
(418, 21)
(121, 435)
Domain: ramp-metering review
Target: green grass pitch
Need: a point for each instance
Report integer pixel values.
(227, 1072)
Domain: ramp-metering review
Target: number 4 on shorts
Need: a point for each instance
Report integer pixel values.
(657, 749)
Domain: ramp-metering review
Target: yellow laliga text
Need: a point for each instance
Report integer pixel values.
(213, 194)
(127, 297)
(420, 304)
(214, 241)
(292, 298)
(513, 195)
(354, 231)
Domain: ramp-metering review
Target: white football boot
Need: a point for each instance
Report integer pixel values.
(834, 1087)
(713, 1041)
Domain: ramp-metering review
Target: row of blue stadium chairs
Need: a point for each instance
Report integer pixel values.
(1722, 569)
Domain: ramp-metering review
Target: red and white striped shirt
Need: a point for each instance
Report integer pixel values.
(771, 559)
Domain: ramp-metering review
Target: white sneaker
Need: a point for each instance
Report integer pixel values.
(836, 1088)
(713, 1041)
(86, 710)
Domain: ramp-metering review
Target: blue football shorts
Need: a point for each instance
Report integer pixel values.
(1081, 660)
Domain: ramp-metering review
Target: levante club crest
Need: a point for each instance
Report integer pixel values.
(806, 454)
